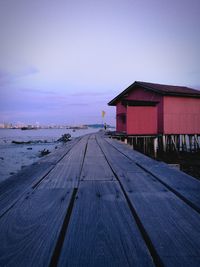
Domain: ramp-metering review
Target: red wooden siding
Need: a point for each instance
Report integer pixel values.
(141, 120)
(142, 94)
(181, 115)
(121, 118)
(162, 110)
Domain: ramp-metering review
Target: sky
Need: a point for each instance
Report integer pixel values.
(62, 61)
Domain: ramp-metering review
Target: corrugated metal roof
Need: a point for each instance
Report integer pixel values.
(159, 89)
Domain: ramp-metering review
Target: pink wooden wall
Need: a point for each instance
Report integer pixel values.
(142, 120)
(121, 124)
(175, 115)
(142, 94)
(181, 115)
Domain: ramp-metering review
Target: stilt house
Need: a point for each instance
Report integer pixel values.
(151, 109)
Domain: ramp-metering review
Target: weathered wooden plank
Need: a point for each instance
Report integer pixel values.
(57, 154)
(41, 211)
(29, 232)
(102, 231)
(172, 226)
(12, 188)
(186, 186)
(95, 166)
(68, 169)
(128, 150)
(123, 164)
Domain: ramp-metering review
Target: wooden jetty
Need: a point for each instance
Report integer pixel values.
(96, 202)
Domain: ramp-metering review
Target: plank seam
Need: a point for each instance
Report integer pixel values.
(177, 194)
(58, 248)
(56, 254)
(27, 191)
(156, 259)
(86, 147)
(185, 200)
(38, 182)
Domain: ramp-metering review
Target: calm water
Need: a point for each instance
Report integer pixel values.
(14, 157)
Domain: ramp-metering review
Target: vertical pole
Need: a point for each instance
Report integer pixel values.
(164, 142)
(155, 144)
(196, 141)
(174, 142)
(183, 136)
(190, 143)
(183, 147)
(178, 142)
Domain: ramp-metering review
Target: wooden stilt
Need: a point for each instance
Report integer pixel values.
(164, 142)
(190, 142)
(174, 142)
(196, 142)
(155, 144)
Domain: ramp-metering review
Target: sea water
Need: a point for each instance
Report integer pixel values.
(14, 157)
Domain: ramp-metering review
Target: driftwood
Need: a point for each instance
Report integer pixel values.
(44, 152)
(64, 138)
(29, 142)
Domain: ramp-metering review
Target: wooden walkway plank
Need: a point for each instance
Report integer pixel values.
(57, 154)
(41, 213)
(12, 188)
(123, 164)
(172, 226)
(29, 232)
(102, 231)
(95, 166)
(184, 185)
(68, 169)
(96, 202)
(127, 149)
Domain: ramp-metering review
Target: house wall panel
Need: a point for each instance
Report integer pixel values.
(181, 115)
(121, 118)
(142, 94)
(142, 120)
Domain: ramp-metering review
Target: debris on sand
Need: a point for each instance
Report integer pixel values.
(64, 138)
(44, 152)
(28, 142)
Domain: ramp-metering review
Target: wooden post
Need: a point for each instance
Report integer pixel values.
(133, 143)
(196, 141)
(178, 142)
(155, 144)
(173, 142)
(190, 142)
(164, 142)
(184, 146)
(144, 145)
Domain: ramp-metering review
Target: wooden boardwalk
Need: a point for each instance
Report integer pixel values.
(96, 202)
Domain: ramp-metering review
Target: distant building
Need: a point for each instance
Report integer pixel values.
(149, 109)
